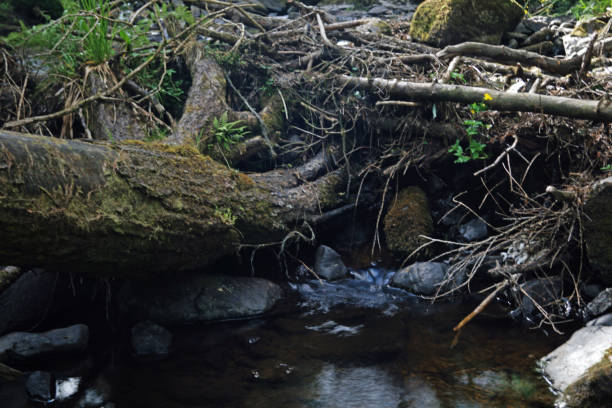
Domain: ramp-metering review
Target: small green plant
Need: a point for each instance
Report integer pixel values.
(98, 40)
(227, 134)
(225, 215)
(590, 8)
(156, 134)
(474, 129)
(458, 77)
(607, 167)
(268, 87)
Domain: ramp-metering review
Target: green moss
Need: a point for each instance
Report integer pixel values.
(594, 388)
(408, 217)
(443, 22)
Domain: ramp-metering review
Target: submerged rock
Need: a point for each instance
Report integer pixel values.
(444, 22)
(422, 278)
(598, 229)
(328, 264)
(151, 340)
(407, 219)
(601, 304)
(581, 369)
(23, 346)
(198, 298)
(40, 386)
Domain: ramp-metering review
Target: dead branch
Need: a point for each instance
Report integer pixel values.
(501, 101)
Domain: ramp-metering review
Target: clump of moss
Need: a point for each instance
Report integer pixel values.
(407, 219)
(594, 388)
(444, 22)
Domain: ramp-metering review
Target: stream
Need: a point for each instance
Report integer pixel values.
(352, 343)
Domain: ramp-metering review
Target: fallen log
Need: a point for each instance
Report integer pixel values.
(132, 208)
(501, 101)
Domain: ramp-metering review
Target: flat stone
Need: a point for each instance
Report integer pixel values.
(193, 298)
(23, 346)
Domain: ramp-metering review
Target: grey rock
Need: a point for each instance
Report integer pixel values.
(197, 298)
(8, 275)
(40, 386)
(378, 10)
(543, 291)
(473, 230)
(569, 367)
(277, 6)
(328, 264)
(151, 340)
(27, 300)
(601, 304)
(604, 320)
(421, 278)
(23, 346)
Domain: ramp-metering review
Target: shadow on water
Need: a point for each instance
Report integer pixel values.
(355, 343)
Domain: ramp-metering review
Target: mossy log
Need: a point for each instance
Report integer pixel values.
(131, 208)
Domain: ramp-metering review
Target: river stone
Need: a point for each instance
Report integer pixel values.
(601, 304)
(421, 278)
(598, 229)
(26, 301)
(23, 346)
(581, 368)
(150, 340)
(328, 264)
(197, 298)
(407, 219)
(473, 230)
(275, 6)
(40, 386)
(445, 22)
(604, 320)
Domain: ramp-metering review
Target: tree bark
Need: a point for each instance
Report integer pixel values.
(133, 208)
(502, 101)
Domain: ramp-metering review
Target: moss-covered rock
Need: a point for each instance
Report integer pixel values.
(408, 217)
(598, 229)
(444, 22)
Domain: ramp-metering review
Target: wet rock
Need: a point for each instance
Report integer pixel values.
(40, 386)
(581, 369)
(601, 304)
(421, 278)
(276, 6)
(544, 291)
(23, 346)
(598, 229)
(8, 275)
(198, 298)
(328, 264)
(272, 371)
(378, 10)
(151, 340)
(444, 22)
(27, 300)
(473, 230)
(407, 219)
(604, 320)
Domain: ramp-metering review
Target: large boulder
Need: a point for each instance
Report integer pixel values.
(328, 264)
(598, 229)
(24, 346)
(198, 298)
(581, 369)
(407, 219)
(444, 22)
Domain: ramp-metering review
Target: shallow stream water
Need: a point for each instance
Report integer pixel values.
(351, 344)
